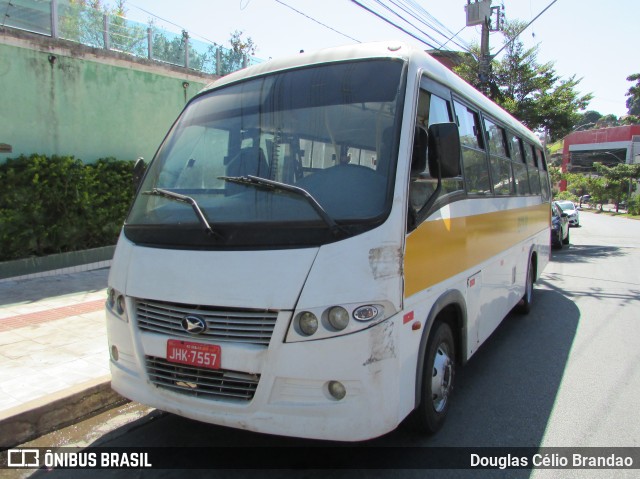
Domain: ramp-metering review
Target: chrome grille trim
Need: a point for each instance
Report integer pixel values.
(245, 326)
(201, 382)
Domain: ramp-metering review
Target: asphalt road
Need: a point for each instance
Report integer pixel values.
(566, 375)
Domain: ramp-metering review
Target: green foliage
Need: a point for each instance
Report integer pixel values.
(58, 204)
(588, 120)
(620, 180)
(82, 21)
(630, 120)
(633, 205)
(171, 51)
(633, 102)
(234, 59)
(567, 195)
(530, 91)
(614, 184)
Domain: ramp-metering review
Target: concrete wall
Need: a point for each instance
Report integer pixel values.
(58, 97)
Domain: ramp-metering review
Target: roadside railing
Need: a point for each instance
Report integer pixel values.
(68, 20)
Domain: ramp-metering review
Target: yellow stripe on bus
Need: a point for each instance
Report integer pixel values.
(440, 249)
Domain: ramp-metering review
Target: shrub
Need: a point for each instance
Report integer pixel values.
(59, 204)
(633, 205)
(566, 195)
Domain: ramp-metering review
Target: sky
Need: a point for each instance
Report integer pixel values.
(595, 41)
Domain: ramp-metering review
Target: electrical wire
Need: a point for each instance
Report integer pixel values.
(417, 19)
(423, 16)
(388, 8)
(317, 21)
(524, 28)
(421, 40)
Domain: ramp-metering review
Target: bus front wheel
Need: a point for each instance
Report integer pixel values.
(437, 380)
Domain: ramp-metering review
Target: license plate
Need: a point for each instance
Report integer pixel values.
(194, 354)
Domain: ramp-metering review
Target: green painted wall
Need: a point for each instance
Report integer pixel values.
(82, 102)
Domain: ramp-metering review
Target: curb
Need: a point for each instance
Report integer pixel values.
(41, 416)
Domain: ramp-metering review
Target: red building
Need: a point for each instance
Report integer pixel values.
(609, 146)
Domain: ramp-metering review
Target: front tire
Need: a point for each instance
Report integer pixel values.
(566, 240)
(437, 380)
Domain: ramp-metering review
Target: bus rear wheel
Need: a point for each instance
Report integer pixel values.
(437, 380)
(524, 306)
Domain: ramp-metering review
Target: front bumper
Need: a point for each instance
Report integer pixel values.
(291, 397)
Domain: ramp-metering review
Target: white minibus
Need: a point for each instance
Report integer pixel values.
(321, 241)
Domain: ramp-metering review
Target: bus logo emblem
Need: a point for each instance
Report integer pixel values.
(193, 324)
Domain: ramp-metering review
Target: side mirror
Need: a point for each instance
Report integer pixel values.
(138, 172)
(444, 150)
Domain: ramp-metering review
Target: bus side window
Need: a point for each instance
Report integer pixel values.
(519, 166)
(534, 177)
(432, 109)
(474, 158)
(500, 165)
(544, 179)
(421, 184)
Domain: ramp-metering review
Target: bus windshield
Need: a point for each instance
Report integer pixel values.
(330, 132)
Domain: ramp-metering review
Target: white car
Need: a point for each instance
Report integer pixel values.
(572, 212)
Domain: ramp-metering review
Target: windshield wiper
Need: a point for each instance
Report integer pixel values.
(334, 227)
(171, 195)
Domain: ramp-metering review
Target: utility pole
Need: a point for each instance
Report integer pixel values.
(479, 12)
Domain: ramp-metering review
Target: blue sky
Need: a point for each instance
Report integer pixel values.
(597, 41)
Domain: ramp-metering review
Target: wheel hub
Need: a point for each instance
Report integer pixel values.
(441, 380)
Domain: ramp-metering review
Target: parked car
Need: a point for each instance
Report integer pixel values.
(585, 199)
(572, 212)
(559, 226)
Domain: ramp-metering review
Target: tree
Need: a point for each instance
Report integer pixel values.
(82, 22)
(530, 91)
(607, 121)
(619, 180)
(235, 58)
(633, 102)
(125, 36)
(555, 176)
(170, 51)
(588, 120)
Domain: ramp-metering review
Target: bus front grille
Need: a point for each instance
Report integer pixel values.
(241, 325)
(200, 382)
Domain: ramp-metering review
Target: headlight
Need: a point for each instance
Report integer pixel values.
(111, 297)
(117, 304)
(326, 322)
(307, 323)
(338, 318)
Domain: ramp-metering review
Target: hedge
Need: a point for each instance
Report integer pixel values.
(59, 204)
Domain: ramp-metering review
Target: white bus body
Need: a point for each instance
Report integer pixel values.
(211, 315)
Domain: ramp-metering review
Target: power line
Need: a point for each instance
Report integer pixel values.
(422, 15)
(317, 21)
(387, 7)
(414, 15)
(391, 23)
(524, 28)
(416, 18)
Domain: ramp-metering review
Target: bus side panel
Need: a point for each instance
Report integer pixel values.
(487, 241)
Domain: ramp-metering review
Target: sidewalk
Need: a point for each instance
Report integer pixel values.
(54, 360)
